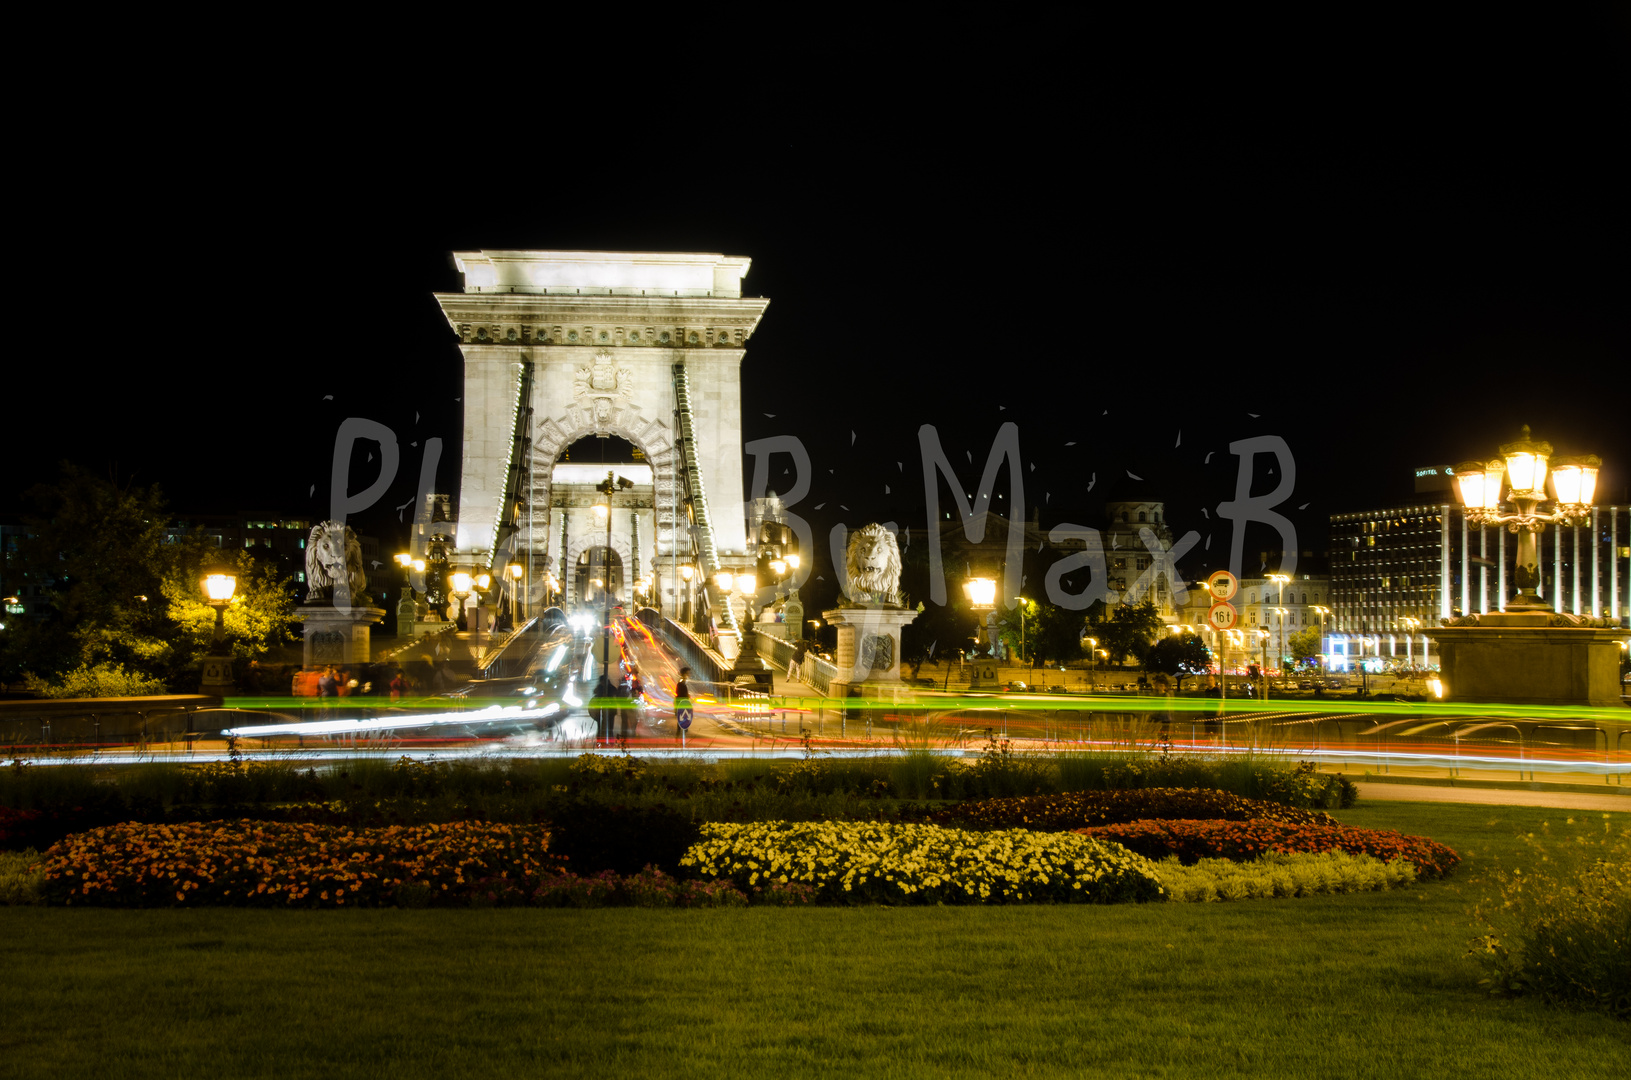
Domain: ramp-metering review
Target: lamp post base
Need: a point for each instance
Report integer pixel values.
(217, 676)
(1523, 658)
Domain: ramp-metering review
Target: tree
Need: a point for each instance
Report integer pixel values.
(122, 607)
(1128, 630)
(1179, 655)
(1303, 645)
(260, 616)
(1050, 633)
(93, 547)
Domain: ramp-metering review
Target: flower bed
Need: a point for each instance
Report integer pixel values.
(922, 864)
(272, 864)
(1243, 840)
(1279, 874)
(1080, 809)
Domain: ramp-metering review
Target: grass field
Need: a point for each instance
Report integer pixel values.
(1365, 985)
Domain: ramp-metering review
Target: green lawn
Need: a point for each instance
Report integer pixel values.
(1366, 985)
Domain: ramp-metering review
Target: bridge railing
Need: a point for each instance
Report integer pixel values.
(814, 672)
(496, 651)
(707, 664)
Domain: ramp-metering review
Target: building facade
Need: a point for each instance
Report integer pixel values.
(1400, 571)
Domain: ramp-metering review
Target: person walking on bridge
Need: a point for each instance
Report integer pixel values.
(682, 693)
(795, 663)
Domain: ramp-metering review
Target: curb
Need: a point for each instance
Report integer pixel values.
(1496, 785)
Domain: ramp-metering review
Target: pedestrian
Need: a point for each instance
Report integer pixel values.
(327, 687)
(796, 664)
(682, 693)
(396, 685)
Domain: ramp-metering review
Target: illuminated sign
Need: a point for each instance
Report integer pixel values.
(1435, 478)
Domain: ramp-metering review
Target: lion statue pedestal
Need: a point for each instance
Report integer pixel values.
(338, 613)
(870, 616)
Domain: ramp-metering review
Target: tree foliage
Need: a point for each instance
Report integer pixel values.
(1049, 634)
(1179, 655)
(1129, 630)
(1303, 645)
(119, 606)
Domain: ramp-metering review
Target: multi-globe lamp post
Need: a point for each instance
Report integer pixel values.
(1522, 472)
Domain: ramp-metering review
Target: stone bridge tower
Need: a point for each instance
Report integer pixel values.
(563, 344)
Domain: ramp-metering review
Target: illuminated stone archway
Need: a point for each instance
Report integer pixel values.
(596, 335)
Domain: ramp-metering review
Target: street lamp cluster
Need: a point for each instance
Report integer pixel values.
(1522, 472)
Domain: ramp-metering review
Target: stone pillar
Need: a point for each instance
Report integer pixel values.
(868, 645)
(338, 635)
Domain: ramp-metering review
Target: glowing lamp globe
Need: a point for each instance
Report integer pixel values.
(1478, 484)
(219, 584)
(1526, 461)
(723, 580)
(1574, 479)
(746, 583)
(981, 592)
(793, 561)
(461, 583)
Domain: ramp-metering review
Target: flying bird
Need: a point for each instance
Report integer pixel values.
(1134, 475)
(328, 397)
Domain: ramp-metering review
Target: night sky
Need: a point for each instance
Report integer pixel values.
(1393, 263)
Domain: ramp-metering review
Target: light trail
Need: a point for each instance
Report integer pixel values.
(389, 723)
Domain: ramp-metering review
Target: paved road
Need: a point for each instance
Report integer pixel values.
(1563, 800)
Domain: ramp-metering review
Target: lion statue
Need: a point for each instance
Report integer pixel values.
(334, 566)
(873, 566)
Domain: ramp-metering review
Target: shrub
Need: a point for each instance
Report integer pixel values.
(1560, 928)
(596, 834)
(1280, 874)
(922, 864)
(1241, 840)
(1078, 809)
(96, 680)
(20, 881)
(266, 864)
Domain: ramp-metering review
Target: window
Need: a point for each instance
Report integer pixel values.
(1143, 562)
(1141, 518)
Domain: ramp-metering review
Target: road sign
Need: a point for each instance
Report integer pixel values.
(683, 718)
(1223, 586)
(1222, 615)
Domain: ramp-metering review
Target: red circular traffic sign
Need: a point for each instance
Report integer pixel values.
(1222, 585)
(1222, 615)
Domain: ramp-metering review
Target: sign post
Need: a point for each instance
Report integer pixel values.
(1222, 616)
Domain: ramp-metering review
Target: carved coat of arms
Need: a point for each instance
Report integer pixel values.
(602, 386)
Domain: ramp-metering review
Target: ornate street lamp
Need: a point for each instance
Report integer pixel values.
(1410, 627)
(1523, 466)
(219, 583)
(982, 600)
(460, 583)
